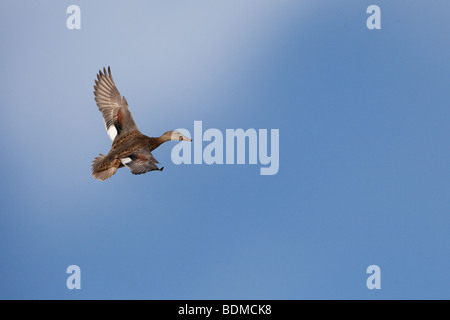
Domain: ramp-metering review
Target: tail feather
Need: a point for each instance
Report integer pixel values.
(102, 168)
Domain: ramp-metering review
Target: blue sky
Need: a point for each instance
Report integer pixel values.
(364, 177)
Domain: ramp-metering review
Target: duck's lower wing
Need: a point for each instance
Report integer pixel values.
(140, 161)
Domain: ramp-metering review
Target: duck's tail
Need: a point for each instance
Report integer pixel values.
(103, 168)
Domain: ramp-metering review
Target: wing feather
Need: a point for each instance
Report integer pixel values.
(141, 161)
(111, 104)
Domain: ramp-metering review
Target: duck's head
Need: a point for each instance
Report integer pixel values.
(176, 136)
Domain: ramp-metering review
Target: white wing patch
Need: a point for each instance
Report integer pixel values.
(125, 161)
(111, 131)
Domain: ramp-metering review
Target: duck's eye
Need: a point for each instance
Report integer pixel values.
(181, 138)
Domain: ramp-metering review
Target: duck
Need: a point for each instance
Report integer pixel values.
(130, 148)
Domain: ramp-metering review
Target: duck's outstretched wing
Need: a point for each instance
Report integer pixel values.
(116, 114)
(140, 161)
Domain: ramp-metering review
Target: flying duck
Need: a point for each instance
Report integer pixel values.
(130, 148)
